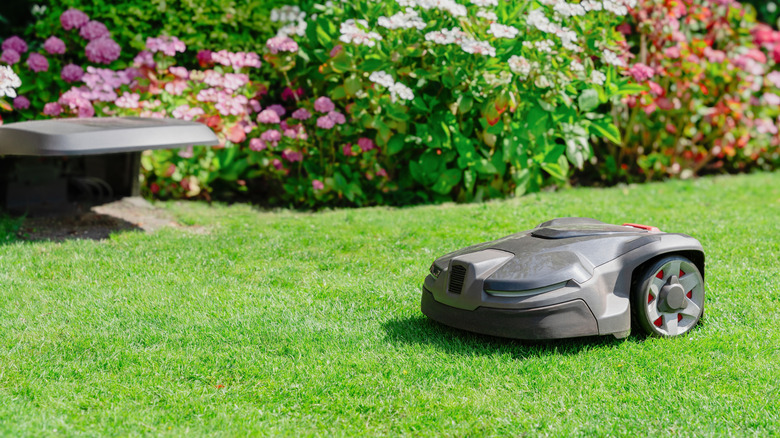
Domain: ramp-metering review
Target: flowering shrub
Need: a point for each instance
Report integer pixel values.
(47, 69)
(204, 24)
(712, 101)
(464, 101)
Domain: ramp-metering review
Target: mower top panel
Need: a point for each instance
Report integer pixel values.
(556, 252)
(93, 136)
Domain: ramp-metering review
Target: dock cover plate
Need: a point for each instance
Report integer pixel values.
(92, 136)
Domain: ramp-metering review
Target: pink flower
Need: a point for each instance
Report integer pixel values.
(52, 109)
(184, 112)
(15, 43)
(234, 81)
(72, 73)
(641, 72)
(656, 89)
(256, 144)
(271, 135)
(625, 29)
(317, 185)
(204, 58)
(128, 100)
(756, 55)
(337, 117)
(73, 19)
(21, 103)
(237, 60)
(176, 87)
(765, 126)
(324, 105)
(10, 56)
(144, 59)
(102, 50)
(94, 30)
(774, 78)
(236, 134)
(325, 122)
(336, 50)
(672, 52)
(179, 72)
(292, 156)
(278, 109)
(165, 44)
(277, 164)
(301, 114)
(268, 116)
(366, 144)
(347, 150)
(75, 100)
(714, 56)
(288, 93)
(771, 99)
(37, 62)
(54, 46)
(281, 44)
(382, 173)
(255, 105)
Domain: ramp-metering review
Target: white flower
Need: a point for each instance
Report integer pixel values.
(592, 5)
(288, 13)
(351, 33)
(455, 9)
(478, 47)
(446, 36)
(569, 9)
(537, 19)
(9, 81)
(616, 7)
(576, 66)
(503, 78)
(484, 3)
(487, 15)
(400, 91)
(542, 81)
(297, 29)
(502, 31)
(520, 66)
(598, 77)
(403, 20)
(611, 58)
(382, 78)
(544, 46)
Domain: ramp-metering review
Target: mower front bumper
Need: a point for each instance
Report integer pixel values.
(564, 320)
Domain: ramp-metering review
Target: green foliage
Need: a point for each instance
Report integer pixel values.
(202, 24)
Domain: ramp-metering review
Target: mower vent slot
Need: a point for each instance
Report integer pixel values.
(457, 276)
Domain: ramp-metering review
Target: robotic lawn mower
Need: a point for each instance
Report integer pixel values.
(571, 277)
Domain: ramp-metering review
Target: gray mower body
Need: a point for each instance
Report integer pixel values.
(565, 278)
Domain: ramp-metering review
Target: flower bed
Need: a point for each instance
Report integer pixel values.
(407, 101)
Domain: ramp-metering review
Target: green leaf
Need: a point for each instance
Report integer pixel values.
(447, 181)
(554, 169)
(589, 100)
(396, 144)
(606, 129)
(627, 89)
(352, 85)
(417, 172)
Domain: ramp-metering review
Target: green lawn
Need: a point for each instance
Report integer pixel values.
(286, 323)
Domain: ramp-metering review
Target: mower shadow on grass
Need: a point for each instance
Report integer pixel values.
(419, 330)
